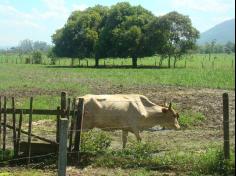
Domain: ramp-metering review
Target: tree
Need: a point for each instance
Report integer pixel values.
(179, 36)
(26, 46)
(124, 33)
(41, 46)
(80, 34)
(229, 47)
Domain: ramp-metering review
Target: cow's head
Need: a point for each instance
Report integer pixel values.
(170, 119)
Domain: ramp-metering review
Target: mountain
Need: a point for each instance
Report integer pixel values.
(222, 33)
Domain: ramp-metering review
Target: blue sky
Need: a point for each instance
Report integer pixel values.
(38, 19)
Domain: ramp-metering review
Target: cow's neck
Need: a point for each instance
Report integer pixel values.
(154, 117)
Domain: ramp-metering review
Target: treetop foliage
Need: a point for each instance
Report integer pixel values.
(123, 30)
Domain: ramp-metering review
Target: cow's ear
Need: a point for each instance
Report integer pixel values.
(164, 110)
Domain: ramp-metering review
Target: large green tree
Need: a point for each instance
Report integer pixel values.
(78, 38)
(179, 36)
(124, 33)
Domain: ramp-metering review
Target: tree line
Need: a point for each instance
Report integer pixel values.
(213, 47)
(123, 30)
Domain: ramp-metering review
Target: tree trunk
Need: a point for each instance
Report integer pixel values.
(160, 62)
(175, 60)
(134, 61)
(96, 61)
(169, 61)
(72, 61)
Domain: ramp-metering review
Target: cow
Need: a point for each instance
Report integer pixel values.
(129, 113)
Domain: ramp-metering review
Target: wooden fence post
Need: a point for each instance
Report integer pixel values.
(63, 104)
(80, 112)
(30, 129)
(57, 125)
(14, 126)
(0, 122)
(226, 125)
(19, 134)
(72, 124)
(62, 159)
(4, 127)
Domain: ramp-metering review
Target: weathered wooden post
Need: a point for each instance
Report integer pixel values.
(4, 127)
(72, 124)
(62, 159)
(226, 125)
(63, 104)
(57, 124)
(19, 134)
(14, 126)
(0, 120)
(30, 129)
(80, 112)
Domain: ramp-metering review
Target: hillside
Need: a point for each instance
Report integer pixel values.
(222, 33)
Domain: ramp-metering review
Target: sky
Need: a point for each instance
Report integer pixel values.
(37, 20)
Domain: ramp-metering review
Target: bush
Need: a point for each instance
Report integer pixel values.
(27, 60)
(37, 57)
(53, 61)
(95, 141)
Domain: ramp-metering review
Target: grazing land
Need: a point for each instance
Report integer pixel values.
(196, 92)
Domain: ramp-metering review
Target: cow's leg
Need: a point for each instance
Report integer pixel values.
(136, 133)
(124, 137)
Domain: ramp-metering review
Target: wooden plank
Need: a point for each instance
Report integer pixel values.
(226, 126)
(19, 134)
(4, 126)
(33, 135)
(62, 159)
(35, 112)
(38, 148)
(14, 126)
(30, 129)
(79, 126)
(72, 125)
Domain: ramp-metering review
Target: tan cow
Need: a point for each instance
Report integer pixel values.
(129, 113)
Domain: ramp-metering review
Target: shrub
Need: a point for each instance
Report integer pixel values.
(95, 141)
(37, 57)
(27, 60)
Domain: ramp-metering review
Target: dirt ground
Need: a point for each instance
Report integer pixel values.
(206, 101)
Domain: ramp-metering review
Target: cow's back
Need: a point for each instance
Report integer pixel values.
(112, 111)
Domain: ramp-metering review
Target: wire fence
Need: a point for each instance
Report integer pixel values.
(74, 129)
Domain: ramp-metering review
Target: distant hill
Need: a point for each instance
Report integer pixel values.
(222, 33)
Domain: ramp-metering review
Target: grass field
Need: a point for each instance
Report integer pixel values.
(196, 92)
(50, 77)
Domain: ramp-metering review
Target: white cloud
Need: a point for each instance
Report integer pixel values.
(202, 5)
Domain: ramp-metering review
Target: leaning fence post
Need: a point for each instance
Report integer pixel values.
(62, 159)
(226, 125)
(80, 112)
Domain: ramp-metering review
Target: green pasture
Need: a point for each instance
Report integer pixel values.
(194, 71)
